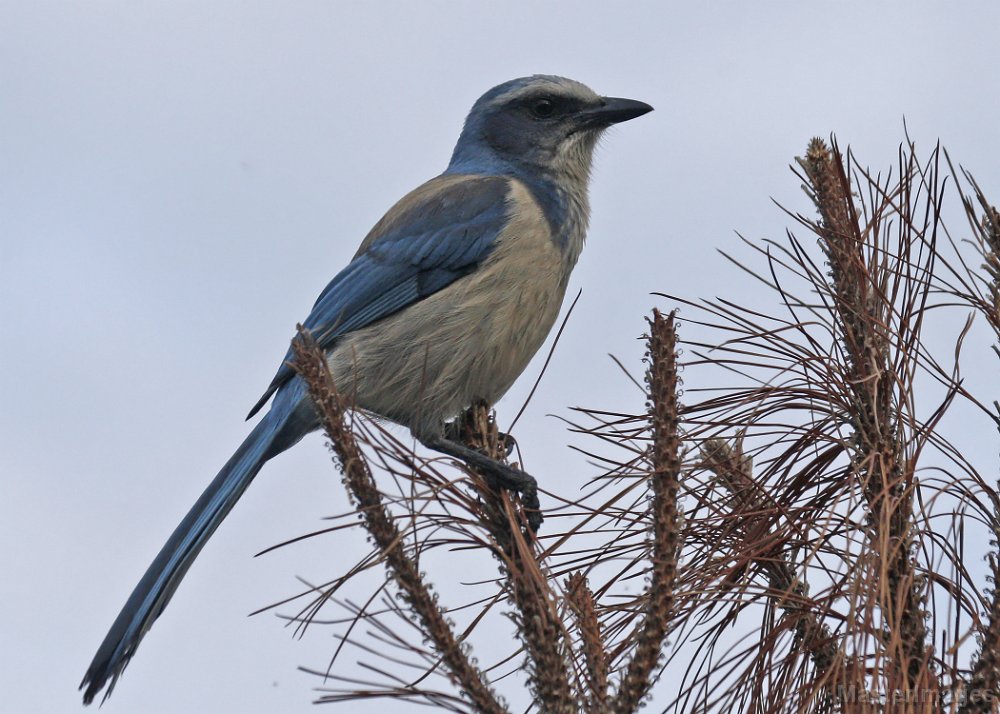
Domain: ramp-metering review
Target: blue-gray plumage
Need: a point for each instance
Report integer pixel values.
(447, 299)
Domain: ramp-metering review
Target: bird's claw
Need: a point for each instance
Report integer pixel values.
(512, 479)
(498, 475)
(507, 443)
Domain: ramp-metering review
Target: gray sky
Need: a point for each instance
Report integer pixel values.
(179, 180)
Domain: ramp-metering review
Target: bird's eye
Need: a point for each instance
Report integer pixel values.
(543, 108)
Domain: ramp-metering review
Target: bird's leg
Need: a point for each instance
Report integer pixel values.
(498, 475)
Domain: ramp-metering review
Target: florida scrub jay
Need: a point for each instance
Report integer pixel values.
(444, 304)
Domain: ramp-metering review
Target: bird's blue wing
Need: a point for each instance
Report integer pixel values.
(433, 236)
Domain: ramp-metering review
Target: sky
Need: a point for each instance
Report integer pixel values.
(179, 180)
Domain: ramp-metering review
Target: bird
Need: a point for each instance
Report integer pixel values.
(444, 304)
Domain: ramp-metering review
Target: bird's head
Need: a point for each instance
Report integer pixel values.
(542, 124)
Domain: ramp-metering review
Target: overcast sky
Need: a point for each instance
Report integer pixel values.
(179, 180)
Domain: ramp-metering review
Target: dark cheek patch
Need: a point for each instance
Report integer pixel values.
(507, 134)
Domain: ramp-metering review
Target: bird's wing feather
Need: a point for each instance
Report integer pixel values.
(433, 236)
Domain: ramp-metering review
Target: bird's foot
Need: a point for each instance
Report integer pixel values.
(512, 479)
(497, 475)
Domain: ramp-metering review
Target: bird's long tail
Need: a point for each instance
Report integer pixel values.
(154, 591)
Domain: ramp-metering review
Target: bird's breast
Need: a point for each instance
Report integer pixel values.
(468, 341)
(522, 285)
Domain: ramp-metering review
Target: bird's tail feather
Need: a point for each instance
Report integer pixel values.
(163, 576)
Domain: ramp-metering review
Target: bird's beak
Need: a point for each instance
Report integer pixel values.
(612, 110)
